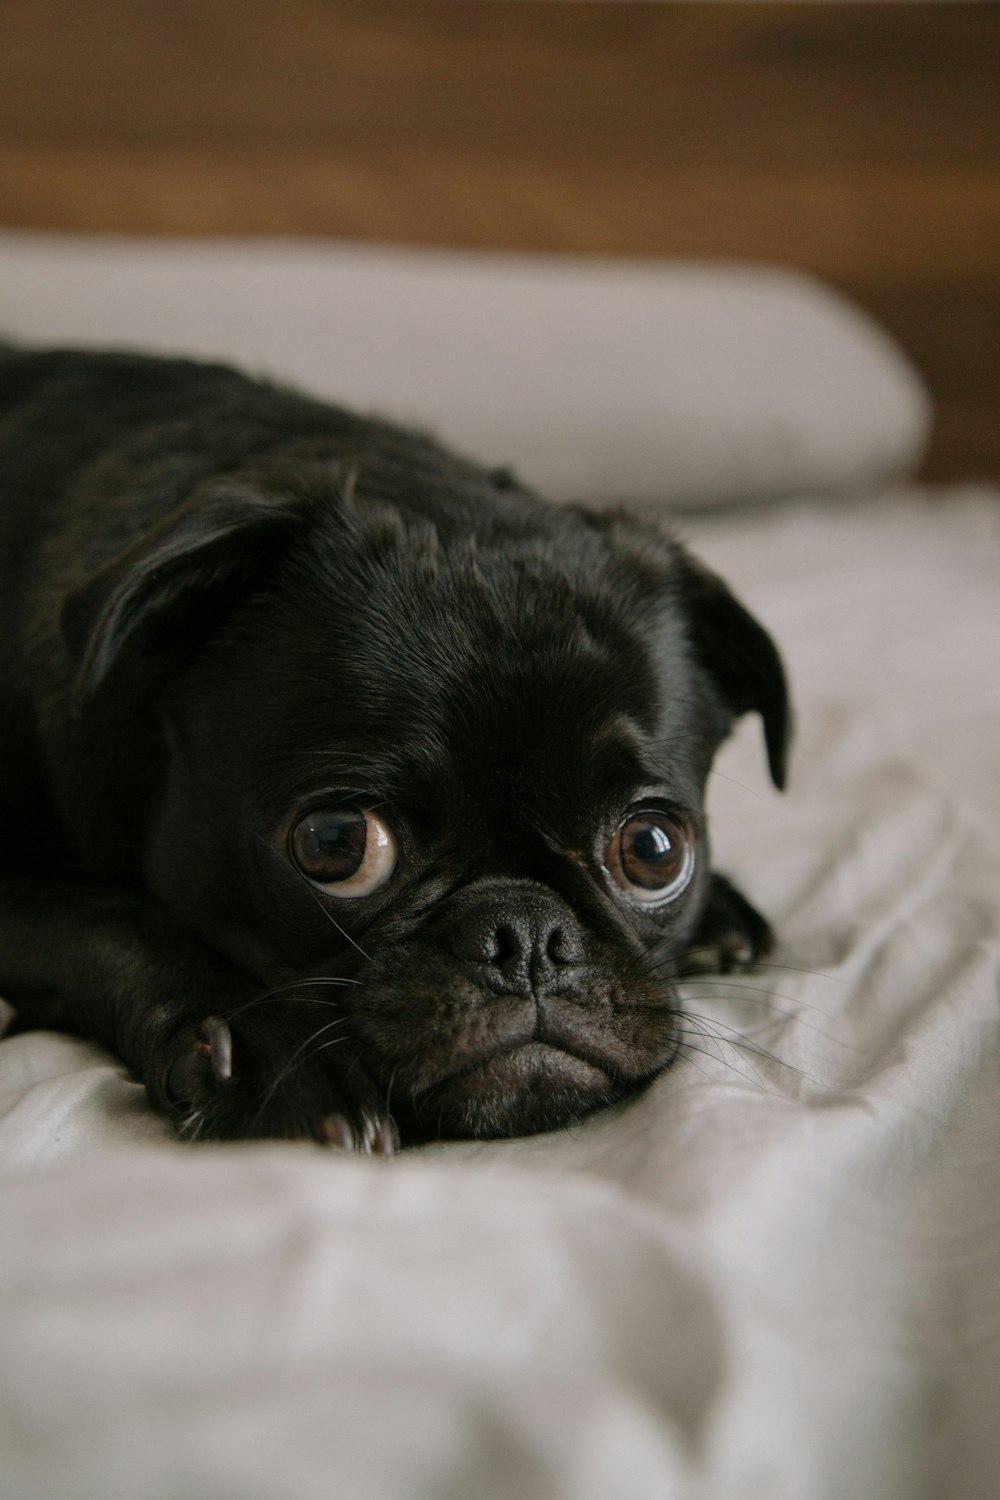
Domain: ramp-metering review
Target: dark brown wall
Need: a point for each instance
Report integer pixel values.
(861, 141)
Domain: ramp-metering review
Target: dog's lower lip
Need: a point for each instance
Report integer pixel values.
(530, 1059)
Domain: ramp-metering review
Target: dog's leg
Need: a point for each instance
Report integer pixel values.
(731, 934)
(222, 1059)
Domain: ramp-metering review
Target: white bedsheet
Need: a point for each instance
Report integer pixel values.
(776, 1277)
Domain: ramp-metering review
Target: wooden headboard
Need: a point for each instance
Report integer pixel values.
(860, 141)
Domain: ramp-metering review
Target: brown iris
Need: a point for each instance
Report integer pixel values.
(651, 856)
(343, 850)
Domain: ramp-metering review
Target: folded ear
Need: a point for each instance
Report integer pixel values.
(739, 656)
(166, 590)
(735, 652)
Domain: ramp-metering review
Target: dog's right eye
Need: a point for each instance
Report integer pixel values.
(343, 850)
(651, 856)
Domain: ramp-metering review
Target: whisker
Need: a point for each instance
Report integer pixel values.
(745, 1042)
(750, 995)
(263, 999)
(763, 1026)
(683, 1048)
(760, 966)
(316, 897)
(333, 921)
(307, 980)
(388, 1091)
(799, 969)
(754, 791)
(725, 1041)
(289, 1065)
(690, 1047)
(287, 991)
(723, 981)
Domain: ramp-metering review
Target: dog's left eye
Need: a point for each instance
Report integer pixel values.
(343, 850)
(651, 857)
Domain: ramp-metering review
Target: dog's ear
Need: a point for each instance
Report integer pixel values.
(739, 656)
(166, 590)
(736, 653)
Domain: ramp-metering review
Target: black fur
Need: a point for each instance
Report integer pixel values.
(223, 603)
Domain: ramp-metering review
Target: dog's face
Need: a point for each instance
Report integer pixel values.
(455, 767)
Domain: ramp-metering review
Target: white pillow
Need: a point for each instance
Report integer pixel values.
(634, 380)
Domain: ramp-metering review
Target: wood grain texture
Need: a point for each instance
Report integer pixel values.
(858, 141)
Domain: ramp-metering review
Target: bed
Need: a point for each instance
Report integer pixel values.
(778, 1273)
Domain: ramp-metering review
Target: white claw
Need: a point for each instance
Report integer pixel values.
(384, 1139)
(215, 1035)
(338, 1133)
(374, 1136)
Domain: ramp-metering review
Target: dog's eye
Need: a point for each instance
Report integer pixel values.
(343, 850)
(651, 857)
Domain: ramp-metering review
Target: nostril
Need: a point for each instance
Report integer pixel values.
(522, 950)
(564, 947)
(505, 944)
(482, 940)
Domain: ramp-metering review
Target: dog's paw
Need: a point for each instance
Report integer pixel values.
(261, 1078)
(731, 937)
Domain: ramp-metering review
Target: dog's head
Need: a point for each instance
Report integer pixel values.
(453, 754)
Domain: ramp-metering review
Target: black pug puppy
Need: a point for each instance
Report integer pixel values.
(349, 791)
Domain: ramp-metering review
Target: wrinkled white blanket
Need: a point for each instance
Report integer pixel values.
(776, 1277)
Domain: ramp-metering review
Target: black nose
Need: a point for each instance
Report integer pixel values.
(526, 943)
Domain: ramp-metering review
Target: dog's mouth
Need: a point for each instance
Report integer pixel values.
(518, 1089)
(535, 1065)
(458, 1058)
